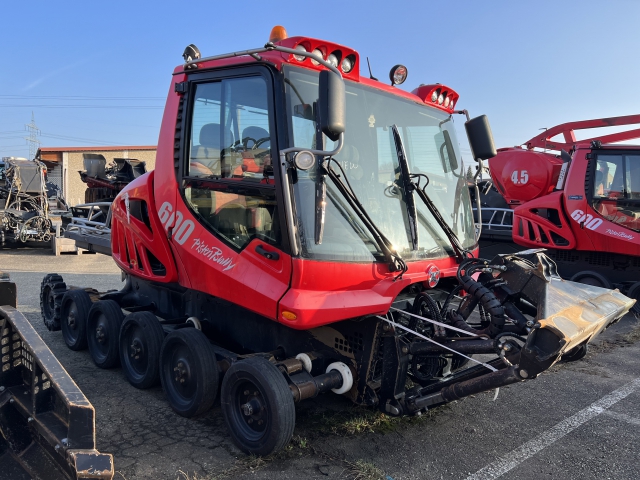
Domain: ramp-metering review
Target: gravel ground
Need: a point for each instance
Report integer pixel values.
(552, 427)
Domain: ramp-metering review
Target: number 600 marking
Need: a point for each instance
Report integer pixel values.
(183, 229)
(588, 220)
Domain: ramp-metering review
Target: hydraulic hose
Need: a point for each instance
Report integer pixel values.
(482, 295)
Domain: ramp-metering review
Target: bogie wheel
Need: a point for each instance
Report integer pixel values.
(258, 407)
(591, 278)
(74, 313)
(103, 333)
(188, 372)
(141, 337)
(52, 289)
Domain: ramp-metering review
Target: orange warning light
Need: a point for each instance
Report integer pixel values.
(278, 33)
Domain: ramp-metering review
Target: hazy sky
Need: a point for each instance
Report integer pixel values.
(526, 64)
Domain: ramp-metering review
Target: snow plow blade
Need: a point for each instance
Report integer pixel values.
(569, 314)
(47, 425)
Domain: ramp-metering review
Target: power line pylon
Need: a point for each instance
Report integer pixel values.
(34, 143)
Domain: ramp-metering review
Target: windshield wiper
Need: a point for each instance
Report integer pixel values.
(406, 187)
(411, 186)
(395, 261)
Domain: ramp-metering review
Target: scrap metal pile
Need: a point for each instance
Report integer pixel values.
(25, 216)
(106, 182)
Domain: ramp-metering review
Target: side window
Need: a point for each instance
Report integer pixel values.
(633, 176)
(229, 180)
(230, 130)
(237, 218)
(616, 189)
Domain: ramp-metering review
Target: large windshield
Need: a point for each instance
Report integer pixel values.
(370, 162)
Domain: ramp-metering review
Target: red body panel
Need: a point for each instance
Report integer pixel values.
(326, 292)
(132, 239)
(245, 278)
(523, 175)
(532, 230)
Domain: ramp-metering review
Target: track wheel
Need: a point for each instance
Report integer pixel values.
(103, 333)
(52, 289)
(591, 278)
(141, 337)
(576, 353)
(74, 312)
(258, 407)
(188, 372)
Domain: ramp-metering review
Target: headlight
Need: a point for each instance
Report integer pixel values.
(304, 160)
(452, 103)
(317, 52)
(346, 65)
(333, 60)
(446, 102)
(434, 96)
(440, 99)
(398, 74)
(301, 48)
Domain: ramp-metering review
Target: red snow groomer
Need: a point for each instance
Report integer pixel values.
(309, 229)
(579, 199)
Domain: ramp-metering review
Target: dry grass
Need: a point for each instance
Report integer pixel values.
(355, 421)
(361, 470)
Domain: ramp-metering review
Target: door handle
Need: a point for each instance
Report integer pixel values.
(266, 254)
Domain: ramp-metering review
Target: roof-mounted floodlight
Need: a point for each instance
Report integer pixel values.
(191, 53)
(398, 74)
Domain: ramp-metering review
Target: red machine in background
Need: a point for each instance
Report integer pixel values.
(579, 199)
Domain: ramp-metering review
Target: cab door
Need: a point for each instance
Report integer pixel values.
(228, 229)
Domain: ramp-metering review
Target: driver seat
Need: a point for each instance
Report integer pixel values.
(205, 158)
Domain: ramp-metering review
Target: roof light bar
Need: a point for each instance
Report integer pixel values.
(437, 95)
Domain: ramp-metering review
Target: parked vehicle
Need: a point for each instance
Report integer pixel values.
(309, 229)
(578, 199)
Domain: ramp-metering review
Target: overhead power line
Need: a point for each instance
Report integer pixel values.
(127, 107)
(77, 139)
(75, 97)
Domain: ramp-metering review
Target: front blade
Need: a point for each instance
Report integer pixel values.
(580, 312)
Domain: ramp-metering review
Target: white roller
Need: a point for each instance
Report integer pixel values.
(347, 377)
(306, 361)
(195, 322)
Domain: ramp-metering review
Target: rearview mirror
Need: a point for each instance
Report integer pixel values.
(332, 104)
(480, 138)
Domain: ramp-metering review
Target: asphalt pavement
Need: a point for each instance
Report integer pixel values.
(578, 420)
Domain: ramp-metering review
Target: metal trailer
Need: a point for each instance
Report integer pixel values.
(47, 425)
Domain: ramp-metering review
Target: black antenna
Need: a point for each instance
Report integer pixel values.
(371, 74)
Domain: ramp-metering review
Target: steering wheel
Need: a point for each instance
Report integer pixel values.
(256, 143)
